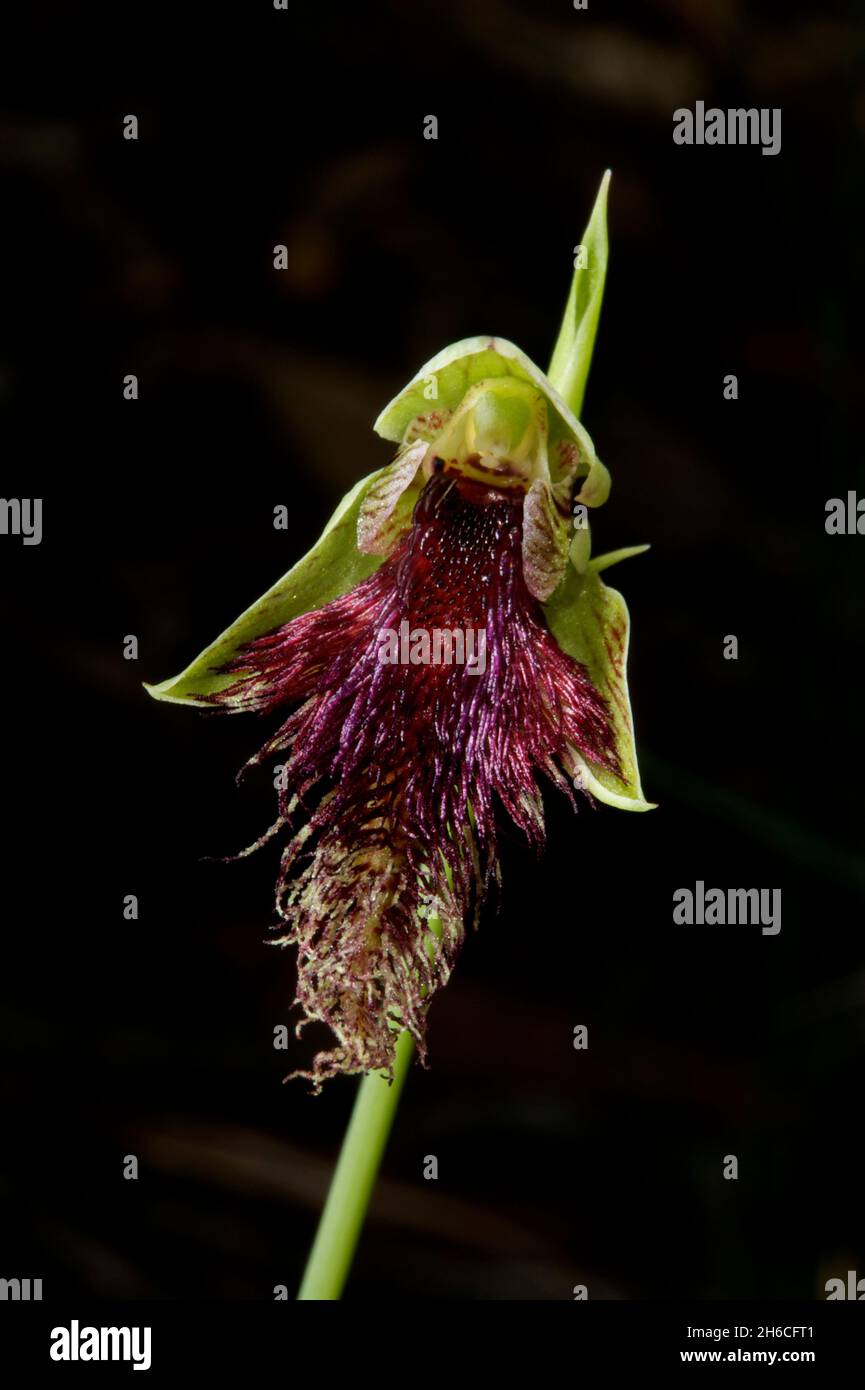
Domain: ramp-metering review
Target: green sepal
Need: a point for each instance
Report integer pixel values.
(332, 567)
(590, 622)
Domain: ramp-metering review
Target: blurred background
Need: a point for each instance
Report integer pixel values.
(258, 388)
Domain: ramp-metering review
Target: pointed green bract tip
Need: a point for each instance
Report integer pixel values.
(572, 355)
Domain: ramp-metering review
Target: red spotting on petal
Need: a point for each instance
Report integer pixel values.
(383, 759)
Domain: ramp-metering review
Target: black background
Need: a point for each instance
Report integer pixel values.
(258, 388)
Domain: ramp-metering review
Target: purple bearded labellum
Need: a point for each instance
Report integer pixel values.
(445, 647)
(393, 743)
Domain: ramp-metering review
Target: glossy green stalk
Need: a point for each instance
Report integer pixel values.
(356, 1171)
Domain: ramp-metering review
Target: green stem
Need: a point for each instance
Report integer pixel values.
(351, 1188)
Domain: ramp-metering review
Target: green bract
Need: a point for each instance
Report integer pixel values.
(572, 355)
(484, 410)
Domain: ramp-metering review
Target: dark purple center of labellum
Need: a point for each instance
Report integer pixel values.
(392, 770)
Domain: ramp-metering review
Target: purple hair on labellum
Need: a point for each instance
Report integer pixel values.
(394, 761)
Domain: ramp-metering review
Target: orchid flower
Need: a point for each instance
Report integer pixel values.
(396, 771)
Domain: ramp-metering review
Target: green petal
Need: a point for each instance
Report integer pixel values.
(332, 567)
(572, 355)
(415, 414)
(546, 541)
(590, 622)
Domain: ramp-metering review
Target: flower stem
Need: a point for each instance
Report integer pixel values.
(351, 1188)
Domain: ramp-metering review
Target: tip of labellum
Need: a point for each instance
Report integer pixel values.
(413, 706)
